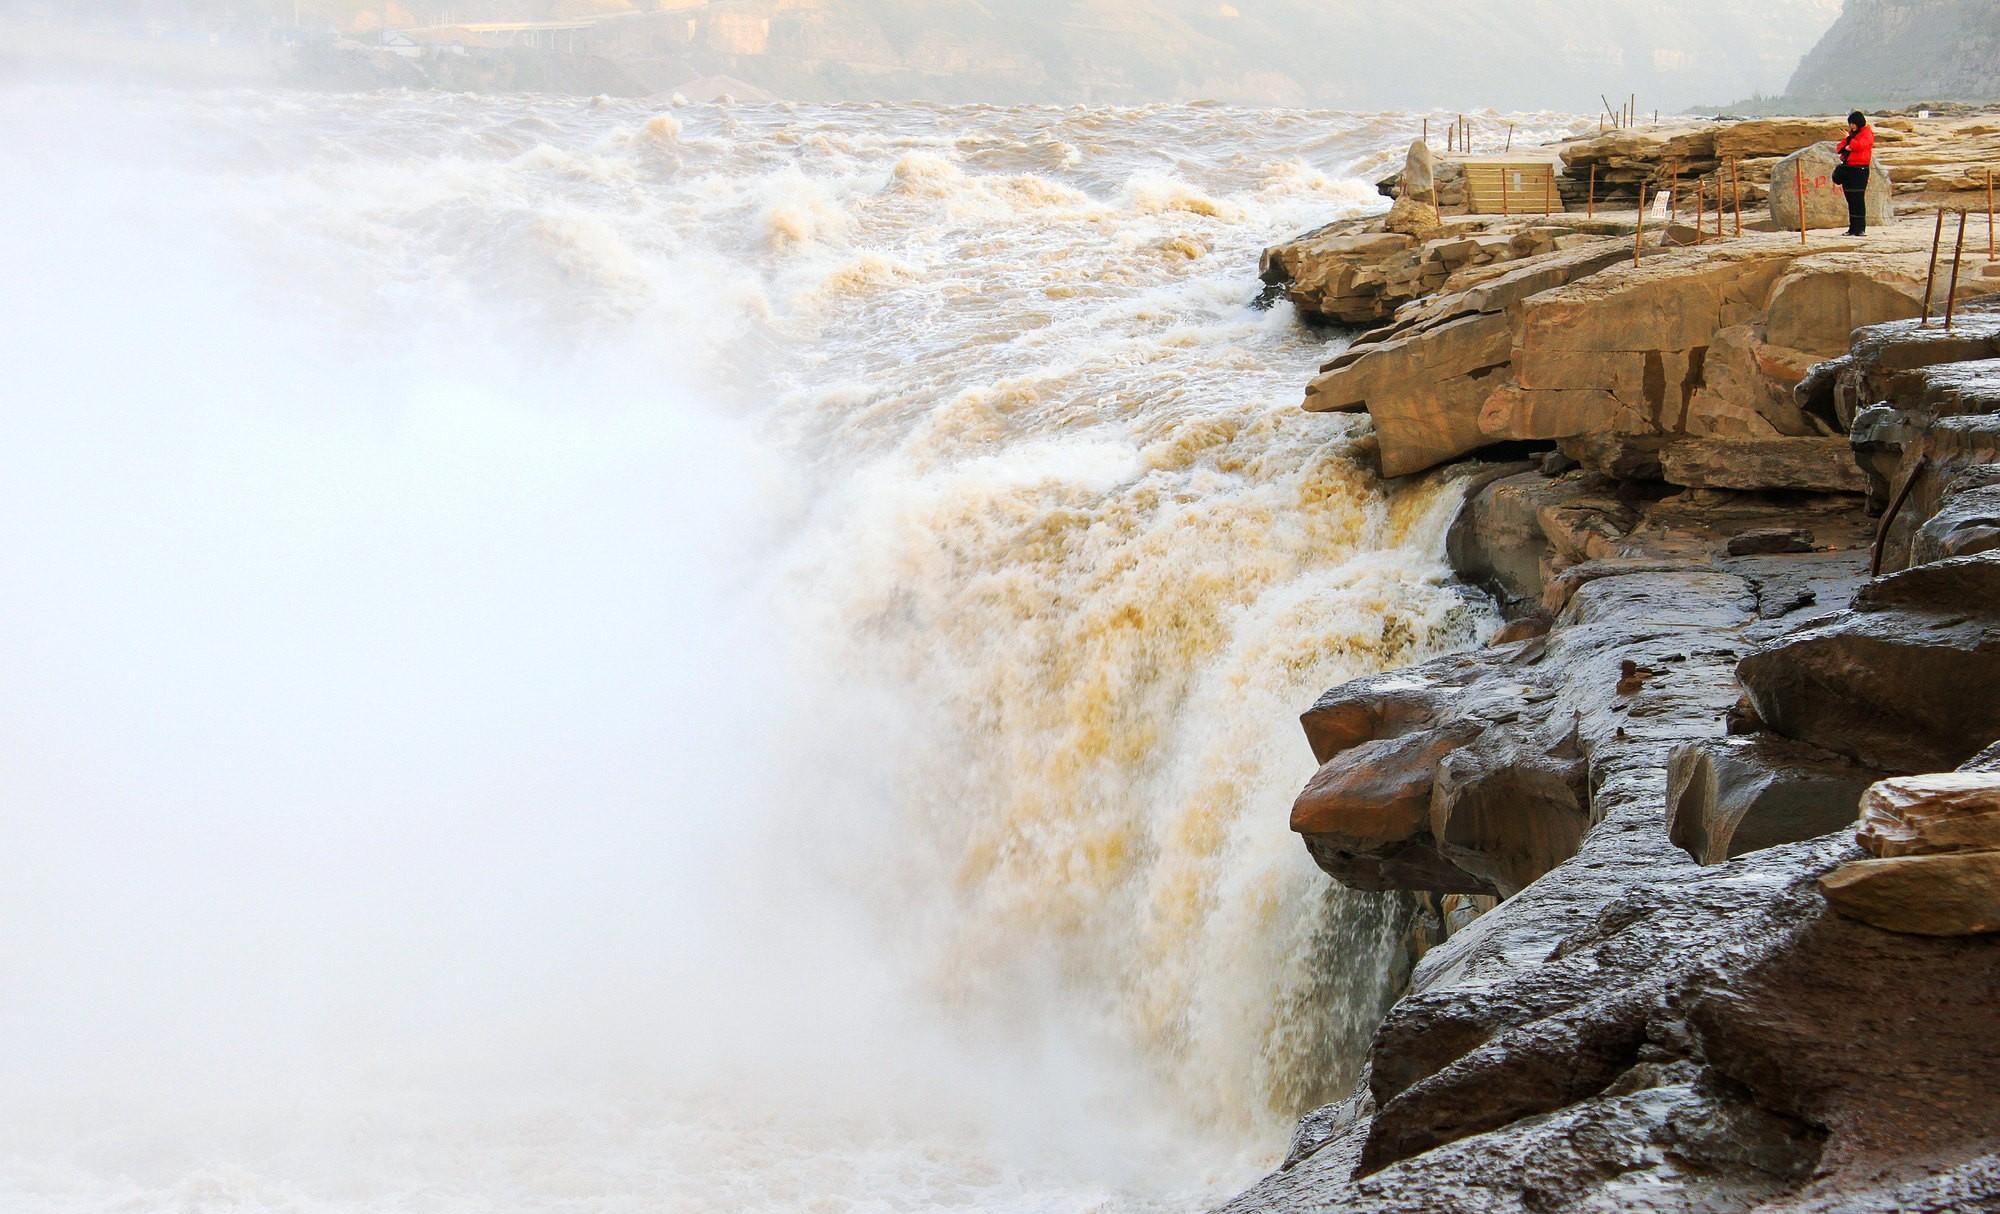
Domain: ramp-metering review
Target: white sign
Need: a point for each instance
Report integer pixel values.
(1660, 205)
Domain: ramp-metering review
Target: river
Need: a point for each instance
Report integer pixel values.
(569, 655)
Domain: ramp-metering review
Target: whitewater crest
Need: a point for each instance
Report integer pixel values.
(936, 562)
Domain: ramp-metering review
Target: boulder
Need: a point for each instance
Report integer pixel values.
(1412, 217)
(1366, 814)
(1930, 814)
(1956, 894)
(1419, 173)
(1418, 789)
(1825, 202)
(1728, 796)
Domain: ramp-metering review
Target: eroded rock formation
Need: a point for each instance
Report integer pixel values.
(1753, 596)
(1679, 369)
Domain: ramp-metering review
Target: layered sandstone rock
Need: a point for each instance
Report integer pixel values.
(1925, 157)
(1936, 843)
(1928, 814)
(1683, 368)
(1922, 405)
(1473, 773)
(1360, 272)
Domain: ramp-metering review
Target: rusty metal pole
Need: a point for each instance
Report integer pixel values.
(1718, 204)
(1700, 211)
(1799, 185)
(1989, 215)
(1639, 232)
(1736, 184)
(1951, 293)
(1590, 199)
(1510, 137)
(1504, 214)
(1930, 275)
(1549, 192)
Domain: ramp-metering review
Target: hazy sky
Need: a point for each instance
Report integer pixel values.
(1350, 53)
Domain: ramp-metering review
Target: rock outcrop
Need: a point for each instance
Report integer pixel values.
(1685, 368)
(1668, 1017)
(1671, 978)
(1472, 773)
(1360, 271)
(1922, 407)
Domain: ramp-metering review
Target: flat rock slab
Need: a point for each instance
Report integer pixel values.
(1945, 895)
(1817, 465)
(1928, 814)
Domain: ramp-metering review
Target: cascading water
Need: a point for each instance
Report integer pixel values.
(571, 655)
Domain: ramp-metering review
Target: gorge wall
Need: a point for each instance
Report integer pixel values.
(1903, 51)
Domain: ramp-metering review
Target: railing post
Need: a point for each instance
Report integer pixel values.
(1951, 293)
(1930, 274)
(1736, 185)
(1639, 232)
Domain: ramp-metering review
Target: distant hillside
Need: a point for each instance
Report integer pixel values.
(1352, 53)
(1453, 54)
(1902, 51)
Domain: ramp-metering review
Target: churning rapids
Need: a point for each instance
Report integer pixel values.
(569, 656)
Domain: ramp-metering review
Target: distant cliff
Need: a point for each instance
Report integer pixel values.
(1347, 53)
(1904, 51)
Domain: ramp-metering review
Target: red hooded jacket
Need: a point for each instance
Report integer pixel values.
(1859, 147)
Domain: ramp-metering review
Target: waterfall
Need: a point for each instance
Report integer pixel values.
(570, 655)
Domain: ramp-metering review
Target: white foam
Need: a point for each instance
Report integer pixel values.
(734, 660)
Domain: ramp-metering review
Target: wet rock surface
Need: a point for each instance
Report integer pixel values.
(1697, 991)
(1904, 681)
(1733, 795)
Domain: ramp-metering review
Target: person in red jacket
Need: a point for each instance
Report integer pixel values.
(1857, 153)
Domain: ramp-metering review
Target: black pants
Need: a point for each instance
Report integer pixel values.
(1856, 189)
